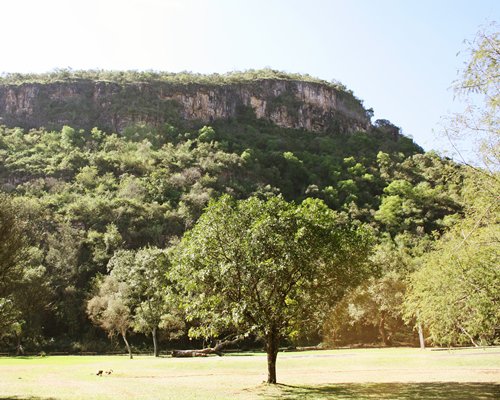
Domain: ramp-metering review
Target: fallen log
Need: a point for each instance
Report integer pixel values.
(188, 353)
(217, 350)
(309, 348)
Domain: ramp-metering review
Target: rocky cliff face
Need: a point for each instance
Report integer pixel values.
(113, 106)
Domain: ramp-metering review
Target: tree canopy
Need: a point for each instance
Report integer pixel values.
(149, 294)
(268, 266)
(110, 308)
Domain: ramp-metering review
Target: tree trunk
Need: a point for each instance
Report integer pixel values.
(421, 336)
(124, 336)
(19, 347)
(468, 335)
(155, 342)
(272, 345)
(382, 331)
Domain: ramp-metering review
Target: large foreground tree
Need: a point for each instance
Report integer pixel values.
(268, 267)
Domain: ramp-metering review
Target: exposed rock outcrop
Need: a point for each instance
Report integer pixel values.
(84, 103)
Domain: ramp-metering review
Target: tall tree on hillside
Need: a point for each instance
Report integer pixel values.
(268, 267)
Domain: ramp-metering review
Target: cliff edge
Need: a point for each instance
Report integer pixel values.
(113, 105)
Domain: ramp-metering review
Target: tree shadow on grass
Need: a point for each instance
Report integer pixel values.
(26, 398)
(400, 391)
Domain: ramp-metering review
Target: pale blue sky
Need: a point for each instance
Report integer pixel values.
(400, 57)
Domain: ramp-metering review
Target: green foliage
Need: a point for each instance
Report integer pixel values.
(267, 267)
(93, 195)
(456, 292)
(109, 308)
(373, 312)
(206, 134)
(13, 248)
(90, 206)
(10, 318)
(12, 245)
(100, 193)
(421, 200)
(150, 295)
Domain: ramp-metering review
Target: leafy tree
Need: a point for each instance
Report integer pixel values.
(267, 267)
(376, 302)
(417, 208)
(206, 134)
(33, 297)
(10, 318)
(109, 308)
(456, 294)
(150, 295)
(103, 245)
(12, 250)
(12, 245)
(66, 274)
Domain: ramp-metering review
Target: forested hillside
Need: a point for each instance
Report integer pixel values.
(81, 203)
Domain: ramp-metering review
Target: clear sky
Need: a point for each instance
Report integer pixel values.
(398, 56)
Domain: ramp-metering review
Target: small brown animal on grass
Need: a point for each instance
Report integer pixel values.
(99, 373)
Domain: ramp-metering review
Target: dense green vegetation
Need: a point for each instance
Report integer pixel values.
(84, 196)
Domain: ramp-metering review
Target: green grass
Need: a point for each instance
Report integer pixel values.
(334, 374)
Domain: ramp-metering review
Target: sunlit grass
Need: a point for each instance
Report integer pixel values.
(342, 374)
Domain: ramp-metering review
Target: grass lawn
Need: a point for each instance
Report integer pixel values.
(333, 374)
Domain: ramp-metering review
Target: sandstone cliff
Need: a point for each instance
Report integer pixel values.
(85, 103)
